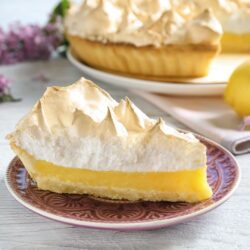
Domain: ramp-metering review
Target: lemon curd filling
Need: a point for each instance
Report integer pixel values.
(186, 185)
(235, 43)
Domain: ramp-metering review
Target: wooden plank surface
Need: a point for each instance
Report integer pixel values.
(227, 227)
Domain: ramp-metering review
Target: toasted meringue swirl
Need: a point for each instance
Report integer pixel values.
(140, 23)
(234, 15)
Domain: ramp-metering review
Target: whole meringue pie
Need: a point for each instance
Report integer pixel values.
(77, 139)
(145, 39)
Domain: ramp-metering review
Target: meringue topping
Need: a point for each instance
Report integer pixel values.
(132, 117)
(203, 26)
(234, 15)
(81, 126)
(94, 20)
(140, 23)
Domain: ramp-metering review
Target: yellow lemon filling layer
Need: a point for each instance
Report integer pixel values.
(187, 185)
(235, 43)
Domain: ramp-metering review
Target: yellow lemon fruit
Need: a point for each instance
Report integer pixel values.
(237, 92)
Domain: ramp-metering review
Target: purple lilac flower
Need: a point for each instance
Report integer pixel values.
(41, 77)
(29, 42)
(245, 123)
(5, 93)
(4, 85)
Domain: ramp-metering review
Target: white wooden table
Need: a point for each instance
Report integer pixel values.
(227, 227)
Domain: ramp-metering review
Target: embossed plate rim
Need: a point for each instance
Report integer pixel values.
(141, 225)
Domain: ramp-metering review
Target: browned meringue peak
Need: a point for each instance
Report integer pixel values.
(149, 6)
(93, 19)
(90, 98)
(204, 28)
(59, 107)
(234, 15)
(120, 21)
(220, 6)
(168, 28)
(174, 29)
(84, 125)
(187, 9)
(111, 125)
(142, 31)
(162, 129)
(132, 117)
(83, 110)
(83, 95)
(129, 21)
(147, 10)
(132, 31)
(167, 22)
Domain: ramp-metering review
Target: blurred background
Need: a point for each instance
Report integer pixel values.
(14, 10)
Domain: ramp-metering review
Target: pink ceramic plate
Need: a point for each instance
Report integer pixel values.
(87, 211)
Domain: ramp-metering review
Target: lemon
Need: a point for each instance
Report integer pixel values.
(237, 92)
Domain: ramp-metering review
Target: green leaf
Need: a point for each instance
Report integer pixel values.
(60, 10)
(9, 98)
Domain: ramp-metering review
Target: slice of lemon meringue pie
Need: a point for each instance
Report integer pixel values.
(77, 139)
